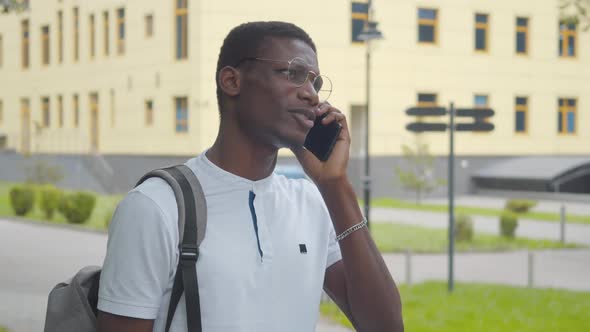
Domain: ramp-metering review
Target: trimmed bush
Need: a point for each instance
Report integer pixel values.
(77, 207)
(520, 205)
(463, 228)
(22, 199)
(49, 198)
(508, 224)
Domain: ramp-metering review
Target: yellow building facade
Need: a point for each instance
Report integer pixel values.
(138, 77)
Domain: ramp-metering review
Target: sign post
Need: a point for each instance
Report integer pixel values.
(479, 124)
(451, 187)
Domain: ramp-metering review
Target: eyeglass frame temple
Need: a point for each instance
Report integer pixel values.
(289, 62)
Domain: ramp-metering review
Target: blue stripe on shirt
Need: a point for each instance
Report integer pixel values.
(255, 221)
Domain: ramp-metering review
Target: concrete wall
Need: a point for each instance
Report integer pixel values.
(401, 68)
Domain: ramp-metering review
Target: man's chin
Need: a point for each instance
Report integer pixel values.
(294, 142)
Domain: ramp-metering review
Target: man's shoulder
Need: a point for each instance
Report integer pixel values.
(156, 189)
(160, 192)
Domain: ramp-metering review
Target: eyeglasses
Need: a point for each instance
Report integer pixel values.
(298, 73)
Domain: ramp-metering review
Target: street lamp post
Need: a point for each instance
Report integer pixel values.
(370, 32)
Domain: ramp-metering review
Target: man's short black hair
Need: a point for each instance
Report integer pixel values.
(244, 41)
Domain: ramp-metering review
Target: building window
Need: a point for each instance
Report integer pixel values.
(60, 36)
(45, 45)
(181, 116)
(76, 109)
(121, 31)
(522, 35)
(45, 112)
(76, 34)
(481, 32)
(359, 17)
(105, 22)
(480, 101)
(427, 100)
(25, 44)
(521, 112)
(149, 112)
(427, 25)
(567, 40)
(181, 13)
(149, 25)
(60, 111)
(566, 116)
(92, 36)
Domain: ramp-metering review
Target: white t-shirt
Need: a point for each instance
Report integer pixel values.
(261, 265)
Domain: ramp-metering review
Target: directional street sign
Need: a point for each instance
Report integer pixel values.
(476, 126)
(475, 112)
(420, 127)
(479, 115)
(426, 111)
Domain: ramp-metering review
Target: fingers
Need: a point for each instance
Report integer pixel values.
(325, 107)
(333, 116)
(333, 113)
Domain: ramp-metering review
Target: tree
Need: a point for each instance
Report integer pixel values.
(419, 177)
(6, 6)
(41, 172)
(575, 12)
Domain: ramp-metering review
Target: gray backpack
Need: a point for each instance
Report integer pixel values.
(72, 304)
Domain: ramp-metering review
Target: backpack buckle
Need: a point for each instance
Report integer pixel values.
(189, 252)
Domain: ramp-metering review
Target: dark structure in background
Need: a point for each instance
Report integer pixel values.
(501, 174)
(541, 174)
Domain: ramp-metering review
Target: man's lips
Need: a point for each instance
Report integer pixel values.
(304, 116)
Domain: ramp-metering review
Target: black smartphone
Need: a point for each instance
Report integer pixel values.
(320, 139)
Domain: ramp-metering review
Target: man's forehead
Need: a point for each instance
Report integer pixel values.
(287, 49)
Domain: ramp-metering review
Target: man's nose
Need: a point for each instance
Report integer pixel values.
(307, 91)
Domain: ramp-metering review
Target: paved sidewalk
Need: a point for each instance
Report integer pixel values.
(565, 269)
(574, 233)
(577, 208)
(29, 268)
(34, 257)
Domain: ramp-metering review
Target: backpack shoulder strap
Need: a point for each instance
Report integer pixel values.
(192, 222)
(172, 176)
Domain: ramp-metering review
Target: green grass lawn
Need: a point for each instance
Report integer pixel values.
(397, 237)
(542, 216)
(428, 307)
(389, 237)
(3, 329)
(105, 205)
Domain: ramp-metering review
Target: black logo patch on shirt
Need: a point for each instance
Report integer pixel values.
(302, 248)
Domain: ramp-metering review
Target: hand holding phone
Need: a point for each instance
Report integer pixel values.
(321, 138)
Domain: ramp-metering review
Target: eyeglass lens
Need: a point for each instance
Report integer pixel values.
(299, 73)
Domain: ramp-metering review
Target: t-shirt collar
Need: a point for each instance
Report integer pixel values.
(232, 179)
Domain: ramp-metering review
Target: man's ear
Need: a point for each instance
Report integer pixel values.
(229, 81)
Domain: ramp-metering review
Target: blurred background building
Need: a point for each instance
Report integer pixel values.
(123, 86)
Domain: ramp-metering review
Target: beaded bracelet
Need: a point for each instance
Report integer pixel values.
(352, 229)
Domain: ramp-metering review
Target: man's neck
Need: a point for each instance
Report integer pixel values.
(242, 157)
